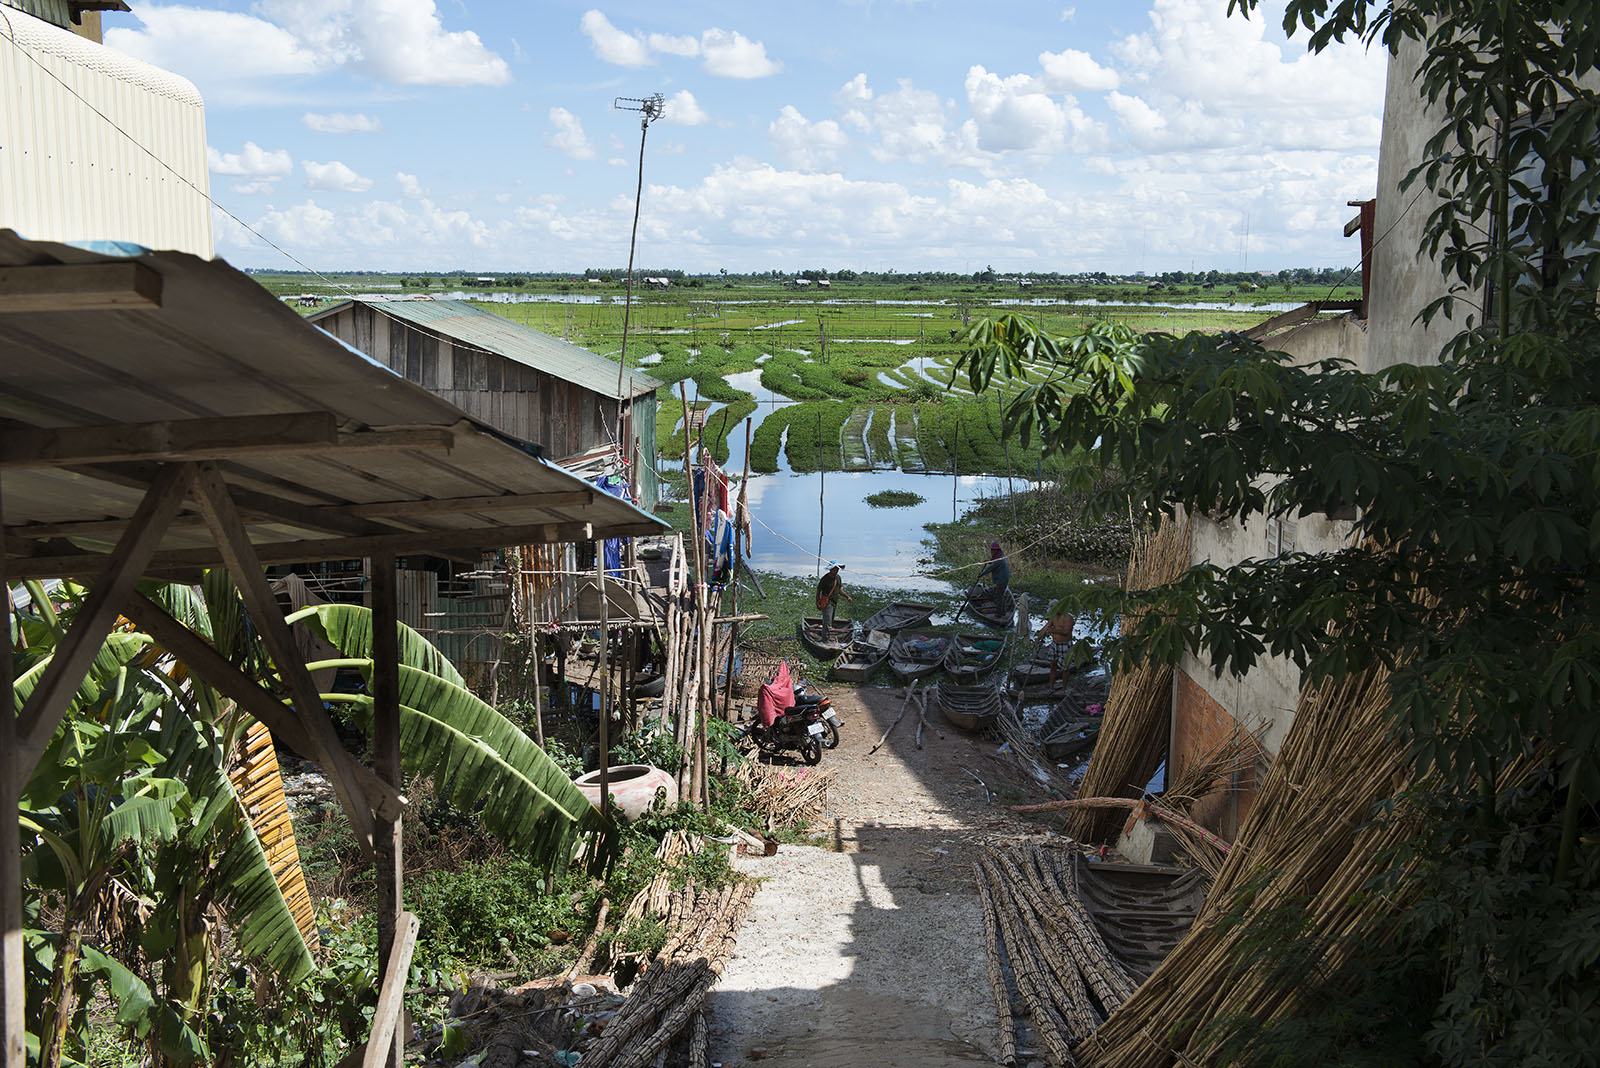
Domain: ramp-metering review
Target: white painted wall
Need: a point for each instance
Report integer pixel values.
(97, 146)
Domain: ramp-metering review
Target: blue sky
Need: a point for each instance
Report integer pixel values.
(913, 134)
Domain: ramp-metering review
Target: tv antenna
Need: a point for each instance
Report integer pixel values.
(650, 108)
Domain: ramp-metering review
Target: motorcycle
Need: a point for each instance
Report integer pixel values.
(787, 719)
(830, 719)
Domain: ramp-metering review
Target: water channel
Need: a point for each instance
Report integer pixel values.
(881, 547)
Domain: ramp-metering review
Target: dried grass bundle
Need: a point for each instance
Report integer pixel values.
(1133, 737)
(785, 799)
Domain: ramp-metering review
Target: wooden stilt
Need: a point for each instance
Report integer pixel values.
(604, 677)
(13, 1005)
(386, 762)
(233, 542)
(538, 683)
(76, 651)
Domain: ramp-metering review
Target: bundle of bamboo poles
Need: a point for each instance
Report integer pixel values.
(1133, 732)
(784, 799)
(1308, 845)
(656, 896)
(1066, 978)
(665, 1003)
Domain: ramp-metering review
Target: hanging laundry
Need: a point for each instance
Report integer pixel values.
(719, 546)
(617, 486)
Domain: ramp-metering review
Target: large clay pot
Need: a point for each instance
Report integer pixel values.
(633, 788)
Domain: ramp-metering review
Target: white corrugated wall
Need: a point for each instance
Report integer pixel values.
(70, 174)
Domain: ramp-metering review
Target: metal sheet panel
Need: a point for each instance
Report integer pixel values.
(96, 146)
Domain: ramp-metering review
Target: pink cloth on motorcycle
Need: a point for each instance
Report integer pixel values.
(775, 696)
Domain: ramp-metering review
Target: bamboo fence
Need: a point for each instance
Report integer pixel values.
(1133, 732)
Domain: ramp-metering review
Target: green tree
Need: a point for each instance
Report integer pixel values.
(1474, 477)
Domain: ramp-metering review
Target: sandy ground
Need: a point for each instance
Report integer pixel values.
(870, 951)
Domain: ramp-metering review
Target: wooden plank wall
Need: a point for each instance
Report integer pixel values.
(521, 401)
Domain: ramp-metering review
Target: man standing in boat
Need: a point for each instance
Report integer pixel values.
(999, 571)
(829, 589)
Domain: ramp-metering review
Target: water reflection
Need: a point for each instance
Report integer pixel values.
(878, 546)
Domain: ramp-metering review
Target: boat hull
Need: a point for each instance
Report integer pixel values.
(824, 647)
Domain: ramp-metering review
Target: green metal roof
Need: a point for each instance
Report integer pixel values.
(471, 325)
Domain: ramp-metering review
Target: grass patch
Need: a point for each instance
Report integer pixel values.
(894, 499)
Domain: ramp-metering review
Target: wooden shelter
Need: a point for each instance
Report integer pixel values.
(161, 414)
(516, 379)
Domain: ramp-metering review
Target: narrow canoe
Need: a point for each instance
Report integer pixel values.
(820, 645)
(991, 609)
(898, 616)
(972, 708)
(972, 656)
(915, 656)
(858, 661)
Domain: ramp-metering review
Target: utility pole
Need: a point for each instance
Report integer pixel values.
(649, 108)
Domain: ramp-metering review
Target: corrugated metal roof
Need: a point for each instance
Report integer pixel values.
(220, 348)
(99, 146)
(474, 326)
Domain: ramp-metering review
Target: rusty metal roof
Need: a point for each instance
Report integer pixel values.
(112, 365)
(475, 327)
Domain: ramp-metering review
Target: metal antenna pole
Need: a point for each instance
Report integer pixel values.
(649, 108)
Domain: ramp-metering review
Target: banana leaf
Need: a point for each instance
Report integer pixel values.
(474, 755)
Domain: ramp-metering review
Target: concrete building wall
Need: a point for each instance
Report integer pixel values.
(97, 146)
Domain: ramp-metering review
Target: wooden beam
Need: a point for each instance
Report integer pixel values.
(502, 502)
(341, 518)
(211, 667)
(386, 762)
(125, 286)
(383, 1044)
(302, 552)
(13, 1000)
(167, 440)
(77, 650)
(211, 494)
(299, 433)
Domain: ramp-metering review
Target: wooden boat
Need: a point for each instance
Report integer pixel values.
(898, 616)
(967, 660)
(861, 658)
(824, 646)
(914, 656)
(992, 609)
(972, 708)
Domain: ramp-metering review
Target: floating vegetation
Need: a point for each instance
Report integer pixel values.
(894, 499)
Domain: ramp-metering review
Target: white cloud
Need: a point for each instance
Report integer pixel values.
(730, 54)
(683, 109)
(255, 188)
(1012, 114)
(251, 161)
(1202, 79)
(1068, 14)
(341, 123)
(246, 58)
(688, 45)
(1071, 70)
(568, 137)
(304, 226)
(410, 186)
(804, 144)
(334, 177)
(614, 45)
(723, 53)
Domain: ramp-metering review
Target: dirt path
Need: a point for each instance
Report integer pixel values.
(870, 952)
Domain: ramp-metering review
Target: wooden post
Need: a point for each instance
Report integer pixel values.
(386, 1032)
(386, 762)
(822, 489)
(955, 468)
(603, 678)
(538, 681)
(12, 1001)
(739, 509)
(1010, 491)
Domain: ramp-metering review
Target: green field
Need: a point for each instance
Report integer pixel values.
(871, 362)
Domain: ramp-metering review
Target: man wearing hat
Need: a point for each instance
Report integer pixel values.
(830, 587)
(998, 568)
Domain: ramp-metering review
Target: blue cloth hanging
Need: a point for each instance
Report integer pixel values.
(617, 486)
